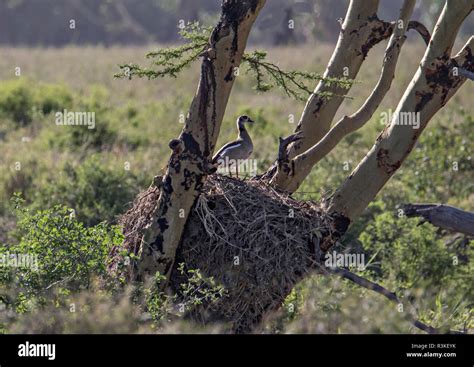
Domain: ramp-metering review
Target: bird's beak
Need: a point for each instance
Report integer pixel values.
(250, 121)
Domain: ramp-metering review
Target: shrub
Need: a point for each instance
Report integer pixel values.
(65, 284)
(96, 192)
(61, 249)
(16, 102)
(50, 98)
(408, 252)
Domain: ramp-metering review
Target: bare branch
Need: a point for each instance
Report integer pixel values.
(368, 284)
(360, 31)
(283, 144)
(421, 29)
(443, 216)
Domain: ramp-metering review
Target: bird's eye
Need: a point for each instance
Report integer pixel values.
(245, 117)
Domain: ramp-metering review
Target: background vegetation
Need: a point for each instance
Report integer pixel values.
(62, 188)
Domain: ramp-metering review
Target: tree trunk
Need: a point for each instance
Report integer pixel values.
(253, 239)
(435, 82)
(189, 162)
(360, 31)
(300, 166)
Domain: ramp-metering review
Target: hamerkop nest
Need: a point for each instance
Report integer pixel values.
(255, 241)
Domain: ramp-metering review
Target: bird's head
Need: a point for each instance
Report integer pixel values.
(244, 119)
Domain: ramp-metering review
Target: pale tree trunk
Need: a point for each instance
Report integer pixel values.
(189, 163)
(435, 82)
(361, 30)
(299, 167)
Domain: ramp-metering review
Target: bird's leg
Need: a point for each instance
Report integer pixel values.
(237, 169)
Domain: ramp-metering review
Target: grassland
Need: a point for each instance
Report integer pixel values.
(98, 173)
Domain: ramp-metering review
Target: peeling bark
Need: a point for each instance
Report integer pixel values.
(361, 31)
(189, 161)
(299, 167)
(434, 83)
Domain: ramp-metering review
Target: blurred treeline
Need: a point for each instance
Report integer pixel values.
(110, 22)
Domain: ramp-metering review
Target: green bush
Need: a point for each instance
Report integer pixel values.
(21, 99)
(440, 167)
(82, 138)
(67, 268)
(61, 250)
(50, 98)
(95, 191)
(408, 252)
(16, 101)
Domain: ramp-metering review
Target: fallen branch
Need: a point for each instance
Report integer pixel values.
(443, 216)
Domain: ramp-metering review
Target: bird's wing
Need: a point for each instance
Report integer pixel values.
(225, 149)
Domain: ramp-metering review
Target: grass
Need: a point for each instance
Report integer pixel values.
(135, 120)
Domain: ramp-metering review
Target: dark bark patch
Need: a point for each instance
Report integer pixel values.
(167, 185)
(162, 224)
(176, 146)
(158, 244)
(383, 161)
(191, 145)
(233, 13)
(207, 97)
(423, 99)
(230, 75)
(379, 31)
(188, 179)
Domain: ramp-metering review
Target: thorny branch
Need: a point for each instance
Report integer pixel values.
(171, 61)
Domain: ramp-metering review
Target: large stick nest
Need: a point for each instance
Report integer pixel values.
(253, 240)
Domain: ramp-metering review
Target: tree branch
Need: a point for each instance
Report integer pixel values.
(430, 89)
(443, 216)
(302, 164)
(421, 29)
(360, 31)
(368, 284)
(283, 144)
